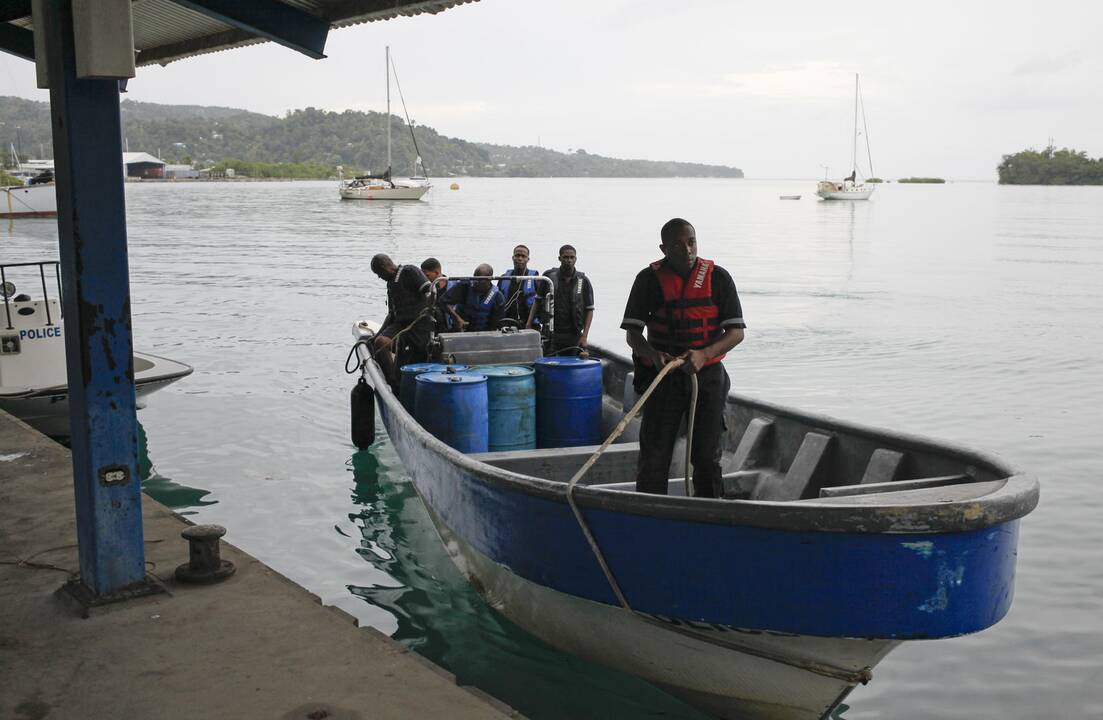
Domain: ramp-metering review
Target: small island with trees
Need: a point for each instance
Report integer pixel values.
(922, 180)
(1051, 167)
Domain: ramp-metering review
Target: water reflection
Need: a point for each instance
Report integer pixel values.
(838, 219)
(163, 489)
(444, 619)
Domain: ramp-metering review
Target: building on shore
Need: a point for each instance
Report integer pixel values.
(143, 165)
(180, 172)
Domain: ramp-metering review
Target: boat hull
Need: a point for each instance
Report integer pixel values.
(48, 410)
(383, 193)
(745, 609)
(729, 672)
(28, 201)
(832, 191)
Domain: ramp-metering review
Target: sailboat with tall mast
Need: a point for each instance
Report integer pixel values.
(36, 197)
(368, 187)
(851, 188)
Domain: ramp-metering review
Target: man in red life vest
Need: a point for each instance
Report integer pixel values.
(690, 309)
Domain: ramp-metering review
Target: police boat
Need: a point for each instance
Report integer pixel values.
(832, 544)
(33, 383)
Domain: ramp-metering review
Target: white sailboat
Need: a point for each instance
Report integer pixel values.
(367, 187)
(36, 197)
(851, 188)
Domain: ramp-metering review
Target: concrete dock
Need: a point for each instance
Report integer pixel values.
(252, 646)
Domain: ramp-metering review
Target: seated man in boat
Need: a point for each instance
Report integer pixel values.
(690, 309)
(476, 305)
(409, 321)
(441, 285)
(574, 305)
(520, 295)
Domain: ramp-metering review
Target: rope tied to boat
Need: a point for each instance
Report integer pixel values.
(368, 342)
(426, 312)
(620, 428)
(360, 365)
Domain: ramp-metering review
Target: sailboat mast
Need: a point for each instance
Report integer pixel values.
(854, 156)
(388, 111)
(865, 131)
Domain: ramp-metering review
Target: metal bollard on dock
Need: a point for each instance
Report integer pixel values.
(205, 564)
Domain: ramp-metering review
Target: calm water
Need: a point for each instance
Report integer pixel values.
(970, 312)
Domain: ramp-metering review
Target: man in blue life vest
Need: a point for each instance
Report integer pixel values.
(409, 322)
(690, 309)
(476, 304)
(433, 270)
(520, 295)
(574, 305)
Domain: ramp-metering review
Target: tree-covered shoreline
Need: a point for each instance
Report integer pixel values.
(1051, 167)
(318, 141)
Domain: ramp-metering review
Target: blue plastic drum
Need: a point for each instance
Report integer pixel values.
(511, 403)
(407, 388)
(568, 402)
(453, 407)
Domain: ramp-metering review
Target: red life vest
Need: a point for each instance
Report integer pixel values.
(688, 319)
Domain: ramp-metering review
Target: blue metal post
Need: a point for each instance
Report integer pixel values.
(99, 348)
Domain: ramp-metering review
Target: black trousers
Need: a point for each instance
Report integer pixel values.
(560, 342)
(662, 418)
(412, 347)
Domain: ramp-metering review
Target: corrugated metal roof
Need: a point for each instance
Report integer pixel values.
(130, 158)
(165, 32)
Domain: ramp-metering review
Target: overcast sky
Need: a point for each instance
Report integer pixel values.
(767, 87)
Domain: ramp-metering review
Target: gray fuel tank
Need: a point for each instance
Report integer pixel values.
(487, 348)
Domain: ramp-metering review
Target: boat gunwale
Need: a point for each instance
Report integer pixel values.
(1017, 496)
(142, 379)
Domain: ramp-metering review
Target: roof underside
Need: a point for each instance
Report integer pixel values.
(169, 30)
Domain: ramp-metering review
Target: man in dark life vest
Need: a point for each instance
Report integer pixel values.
(690, 309)
(520, 295)
(476, 304)
(409, 321)
(434, 272)
(574, 305)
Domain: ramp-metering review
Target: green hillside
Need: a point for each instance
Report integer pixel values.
(209, 136)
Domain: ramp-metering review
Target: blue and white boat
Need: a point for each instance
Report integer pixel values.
(34, 386)
(833, 544)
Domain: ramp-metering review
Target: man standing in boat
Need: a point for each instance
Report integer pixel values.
(690, 309)
(520, 294)
(574, 305)
(409, 321)
(476, 304)
(435, 273)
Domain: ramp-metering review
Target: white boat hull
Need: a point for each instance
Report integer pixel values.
(379, 192)
(28, 201)
(845, 191)
(728, 672)
(47, 409)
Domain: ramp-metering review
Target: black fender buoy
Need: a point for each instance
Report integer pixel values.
(363, 415)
